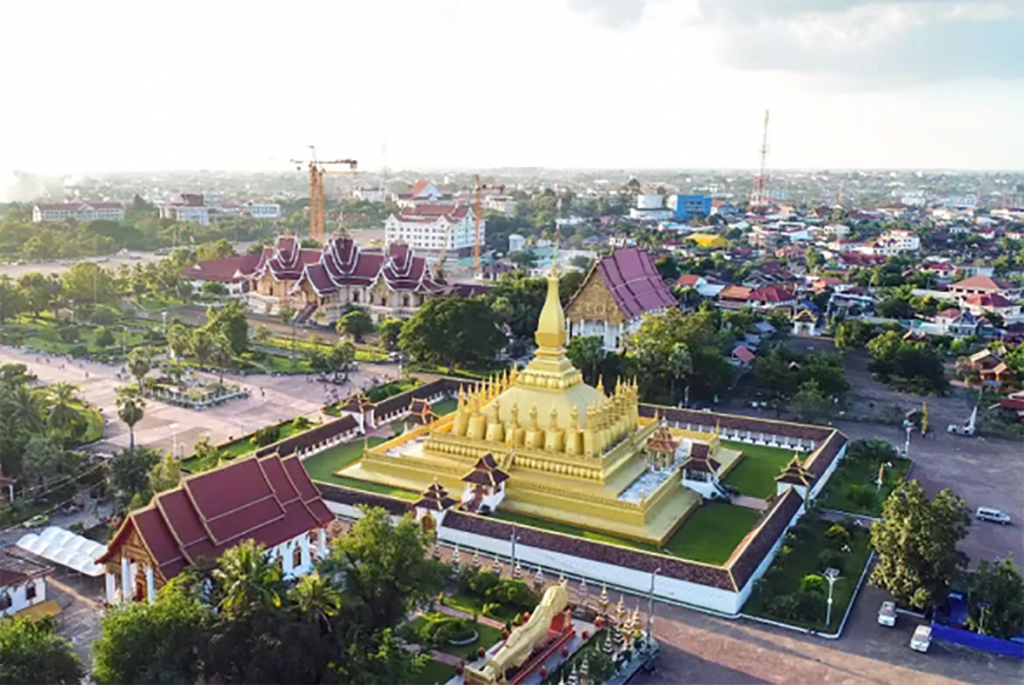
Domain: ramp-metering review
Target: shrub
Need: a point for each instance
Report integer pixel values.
(813, 583)
(79, 351)
(830, 558)
(68, 333)
(265, 436)
(301, 423)
(103, 337)
(482, 582)
(515, 593)
(783, 606)
(810, 606)
(837, 536)
(439, 628)
(861, 495)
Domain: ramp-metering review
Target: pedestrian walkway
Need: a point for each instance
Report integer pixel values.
(458, 613)
(750, 502)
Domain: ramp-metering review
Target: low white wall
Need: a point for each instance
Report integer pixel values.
(745, 591)
(828, 472)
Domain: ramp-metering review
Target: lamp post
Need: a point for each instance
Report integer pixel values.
(831, 575)
(981, 624)
(907, 426)
(650, 607)
(163, 315)
(174, 438)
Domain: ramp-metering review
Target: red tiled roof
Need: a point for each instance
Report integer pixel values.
(634, 283)
(981, 283)
(269, 500)
(227, 270)
(433, 212)
(735, 292)
(420, 186)
(343, 263)
(688, 280)
(988, 300)
(743, 354)
(771, 294)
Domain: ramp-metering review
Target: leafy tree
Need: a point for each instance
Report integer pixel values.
(34, 653)
(221, 354)
(129, 473)
(248, 579)
(388, 331)
(668, 268)
(516, 302)
(568, 284)
(202, 344)
(809, 403)
(179, 340)
(62, 414)
(446, 330)
(337, 361)
(204, 449)
(231, 322)
(214, 290)
(159, 643)
(88, 282)
(103, 337)
(12, 299)
(130, 409)
(997, 589)
(37, 290)
(813, 259)
(917, 544)
(356, 324)
(854, 334)
(165, 475)
(524, 259)
(140, 361)
(43, 459)
(581, 262)
(215, 250)
(23, 407)
(586, 352)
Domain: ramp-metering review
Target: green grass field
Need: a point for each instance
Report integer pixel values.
(445, 407)
(321, 467)
(867, 497)
(435, 673)
(803, 560)
(755, 475)
(712, 532)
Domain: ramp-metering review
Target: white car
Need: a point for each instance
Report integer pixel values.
(887, 614)
(922, 639)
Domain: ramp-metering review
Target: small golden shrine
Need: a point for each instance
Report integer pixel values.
(572, 453)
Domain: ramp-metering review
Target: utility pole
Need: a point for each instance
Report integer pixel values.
(759, 194)
(650, 607)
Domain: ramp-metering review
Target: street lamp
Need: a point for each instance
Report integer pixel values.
(163, 315)
(981, 623)
(650, 607)
(907, 426)
(831, 575)
(174, 437)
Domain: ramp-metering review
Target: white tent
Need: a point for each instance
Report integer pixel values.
(65, 548)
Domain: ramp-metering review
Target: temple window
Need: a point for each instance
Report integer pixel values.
(383, 300)
(30, 591)
(5, 601)
(355, 296)
(297, 556)
(405, 300)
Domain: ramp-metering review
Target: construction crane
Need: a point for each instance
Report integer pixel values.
(317, 169)
(759, 195)
(480, 187)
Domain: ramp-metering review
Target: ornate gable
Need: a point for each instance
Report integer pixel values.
(594, 302)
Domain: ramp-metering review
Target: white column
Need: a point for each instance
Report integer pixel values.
(304, 546)
(286, 559)
(321, 543)
(150, 585)
(126, 580)
(111, 587)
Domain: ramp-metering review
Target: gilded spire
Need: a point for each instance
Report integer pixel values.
(600, 383)
(551, 326)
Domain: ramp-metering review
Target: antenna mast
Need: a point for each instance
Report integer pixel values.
(759, 195)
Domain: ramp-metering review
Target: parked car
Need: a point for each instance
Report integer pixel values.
(922, 639)
(887, 614)
(993, 515)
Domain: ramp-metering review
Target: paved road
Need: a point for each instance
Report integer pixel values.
(282, 397)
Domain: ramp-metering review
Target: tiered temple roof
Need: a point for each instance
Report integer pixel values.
(343, 263)
(486, 472)
(269, 500)
(795, 473)
(420, 412)
(435, 498)
(700, 459)
(286, 259)
(661, 442)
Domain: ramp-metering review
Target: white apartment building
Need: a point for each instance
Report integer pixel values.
(78, 211)
(897, 241)
(190, 208)
(263, 210)
(430, 227)
(505, 204)
(375, 195)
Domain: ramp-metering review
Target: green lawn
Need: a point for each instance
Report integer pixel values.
(853, 487)
(803, 560)
(235, 449)
(488, 636)
(321, 467)
(712, 532)
(42, 335)
(755, 474)
(435, 673)
(445, 407)
(472, 604)
(156, 303)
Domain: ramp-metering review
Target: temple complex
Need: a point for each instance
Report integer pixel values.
(565, 451)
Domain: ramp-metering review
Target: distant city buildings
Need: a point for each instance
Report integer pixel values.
(431, 227)
(374, 195)
(503, 204)
(423, 192)
(78, 211)
(690, 207)
(200, 209)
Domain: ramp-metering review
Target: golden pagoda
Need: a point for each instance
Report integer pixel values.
(575, 454)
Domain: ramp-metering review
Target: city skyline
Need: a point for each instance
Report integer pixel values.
(580, 84)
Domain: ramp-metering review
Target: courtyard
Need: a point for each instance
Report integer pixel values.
(754, 475)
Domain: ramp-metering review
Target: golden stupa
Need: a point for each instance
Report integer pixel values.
(574, 454)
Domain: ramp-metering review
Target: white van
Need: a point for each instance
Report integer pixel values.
(993, 516)
(922, 639)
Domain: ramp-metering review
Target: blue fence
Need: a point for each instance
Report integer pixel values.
(985, 643)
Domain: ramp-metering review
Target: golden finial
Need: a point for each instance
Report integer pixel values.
(600, 383)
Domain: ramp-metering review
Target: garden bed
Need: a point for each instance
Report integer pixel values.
(783, 594)
(853, 487)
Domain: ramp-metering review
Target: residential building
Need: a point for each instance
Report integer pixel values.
(897, 241)
(322, 283)
(22, 583)
(981, 304)
(956, 323)
(772, 297)
(423, 192)
(269, 500)
(433, 227)
(191, 208)
(263, 210)
(984, 285)
(689, 207)
(614, 297)
(78, 211)
(374, 195)
(503, 204)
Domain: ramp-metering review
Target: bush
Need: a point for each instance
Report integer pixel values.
(837, 536)
(482, 583)
(783, 606)
(813, 583)
(830, 558)
(103, 337)
(68, 333)
(440, 628)
(265, 436)
(810, 606)
(79, 351)
(514, 593)
(863, 496)
(301, 423)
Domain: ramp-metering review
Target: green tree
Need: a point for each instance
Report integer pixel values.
(103, 338)
(356, 324)
(337, 361)
(179, 340)
(917, 542)
(231, 322)
(130, 409)
(997, 589)
(213, 290)
(37, 290)
(164, 642)
(813, 258)
(129, 473)
(221, 354)
(568, 284)
(24, 408)
(220, 249)
(809, 403)
(140, 361)
(61, 401)
(854, 334)
(43, 460)
(249, 579)
(388, 331)
(446, 330)
(33, 653)
(202, 344)
(586, 352)
(524, 259)
(87, 282)
(165, 475)
(12, 300)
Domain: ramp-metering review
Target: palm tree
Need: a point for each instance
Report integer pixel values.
(248, 578)
(140, 361)
(24, 408)
(61, 400)
(130, 409)
(316, 600)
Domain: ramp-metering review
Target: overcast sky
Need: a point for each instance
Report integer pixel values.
(156, 85)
